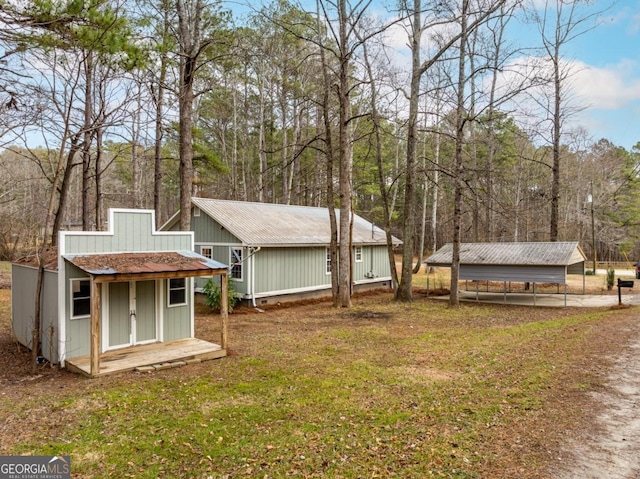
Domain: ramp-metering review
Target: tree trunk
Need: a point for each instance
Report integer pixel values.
(404, 291)
(345, 161)
(189, 36)
(459, 160)
(555, 182)
(86, 146)
(333, 242)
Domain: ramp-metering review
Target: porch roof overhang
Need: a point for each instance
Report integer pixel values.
(111, 267)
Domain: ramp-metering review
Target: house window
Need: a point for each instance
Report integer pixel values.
(358, 254)
(328, 262)
(80, 298)
(196, 211)
(177, 291)
(235, 260)
(206, 251)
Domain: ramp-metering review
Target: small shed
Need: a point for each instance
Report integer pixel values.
(281, 252)
(118, 299)
(527, 262)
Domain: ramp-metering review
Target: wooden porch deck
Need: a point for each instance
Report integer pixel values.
(161, 355)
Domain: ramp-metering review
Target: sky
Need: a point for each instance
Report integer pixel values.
(607, 74)
(605, 62)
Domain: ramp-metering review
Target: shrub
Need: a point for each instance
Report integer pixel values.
(611, 276)
(213, 293)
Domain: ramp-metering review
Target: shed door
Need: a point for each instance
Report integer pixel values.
(132, 314)
(119, 320)
(145, 308)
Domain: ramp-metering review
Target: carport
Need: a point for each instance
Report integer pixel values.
(527, 262)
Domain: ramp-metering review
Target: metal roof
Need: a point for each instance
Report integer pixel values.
(267, 224)
(145, 263)
(530, 254)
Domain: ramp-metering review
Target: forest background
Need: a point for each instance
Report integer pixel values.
(463, 135)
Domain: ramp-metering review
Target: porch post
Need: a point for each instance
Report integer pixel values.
(224, 313)
(96, 289)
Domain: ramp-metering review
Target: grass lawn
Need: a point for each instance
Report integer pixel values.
(380, 390)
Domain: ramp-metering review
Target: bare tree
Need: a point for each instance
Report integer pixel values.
(560, 23)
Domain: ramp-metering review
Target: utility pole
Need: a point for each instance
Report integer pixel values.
(593, 229)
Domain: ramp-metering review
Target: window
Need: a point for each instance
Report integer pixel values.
(235, 260)
(206, 251)
(357, 252)
(328, 262)
(177, 291)
(80, 298)
(196, 212)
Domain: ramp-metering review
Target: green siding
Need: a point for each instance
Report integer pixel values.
(77, 330)
(375, 259)
(280, 269)
(206, 230)
(177, 319)
(145, 311)
(23, 309)
(119, 319)
(131, 232)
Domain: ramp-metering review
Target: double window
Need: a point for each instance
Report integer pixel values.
(357, 253)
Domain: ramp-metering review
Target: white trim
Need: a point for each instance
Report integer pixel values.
(186, 292)
(233, 264)
(377, 279)
(160, 289)
(355, 254)
(111, 230)
(71, 299)
(327, 261)
(305, 289)
(209, 243)
(62, 300)
(308, 289)
(192, 313)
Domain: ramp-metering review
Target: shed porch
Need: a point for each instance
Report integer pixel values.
(128, 359)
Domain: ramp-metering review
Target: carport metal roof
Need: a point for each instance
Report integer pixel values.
(534, 262)
(513, 254)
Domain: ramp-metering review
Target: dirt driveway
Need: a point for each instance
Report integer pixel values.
(610, 448)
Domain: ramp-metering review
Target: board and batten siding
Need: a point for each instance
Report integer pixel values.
(176, 322)
(222, 255)
(533, 274)
(283, 269)
(77, 330)
(207, 230)
(23, 293)
(134, 234)
(375, 259)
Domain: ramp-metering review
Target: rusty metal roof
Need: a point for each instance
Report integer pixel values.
(144, 263)
(266, 224)
(530, 254)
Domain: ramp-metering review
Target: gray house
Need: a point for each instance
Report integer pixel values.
(116, 300)
(281, 252)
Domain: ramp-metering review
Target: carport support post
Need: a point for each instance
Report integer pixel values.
(534, 293)
(224, 311)
(96, 290)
